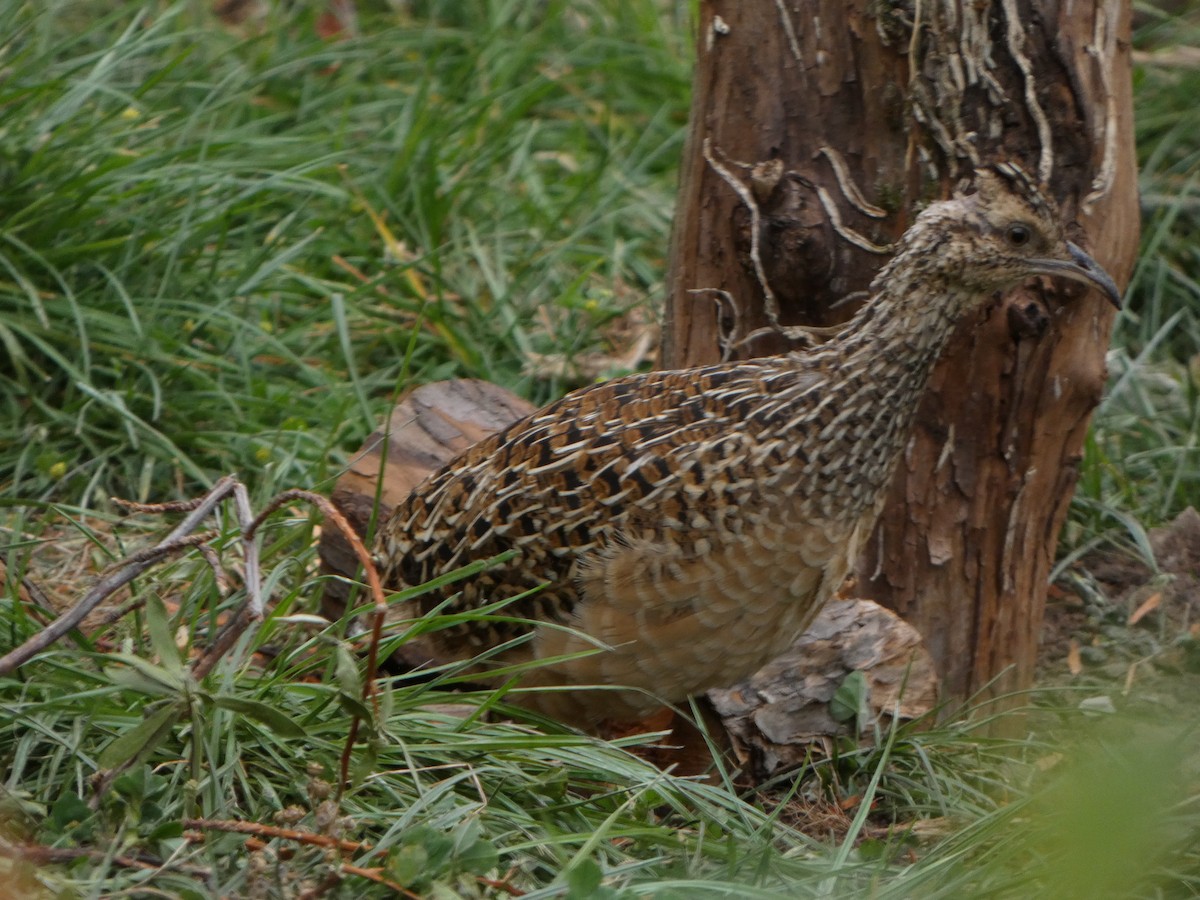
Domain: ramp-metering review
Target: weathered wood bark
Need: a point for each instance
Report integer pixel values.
(817, 128)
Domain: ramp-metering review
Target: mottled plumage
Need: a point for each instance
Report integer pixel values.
(693, 522)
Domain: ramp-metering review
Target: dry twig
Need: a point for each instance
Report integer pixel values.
(117, 578)
(250, 611)
(39, 854)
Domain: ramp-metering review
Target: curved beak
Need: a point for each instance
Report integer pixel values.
(1080, 267)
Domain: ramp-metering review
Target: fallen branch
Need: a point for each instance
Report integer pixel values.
(118, 578)
(41, 855)
(250, 612)
(272, 832)
(258, 833)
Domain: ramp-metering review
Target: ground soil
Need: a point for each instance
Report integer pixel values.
(1118, 607)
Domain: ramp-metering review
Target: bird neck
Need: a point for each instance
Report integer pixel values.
(901, 331)
(877, 367)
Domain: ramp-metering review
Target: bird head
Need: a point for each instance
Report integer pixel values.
(1013, 233)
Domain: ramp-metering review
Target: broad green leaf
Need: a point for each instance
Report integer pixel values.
(479, 857)
(277, 721)
(168, 682)
(136, 681)
(583, 879)
(142, 737)
(348, 677)
(353, 706)
(132, 784)
(408, 865)
(69, 810)
(366, 761)
(437, 845)
(849, 701)
(166, 831)
(161, 639)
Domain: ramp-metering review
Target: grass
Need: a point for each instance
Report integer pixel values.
(1143, 458)
(226, 251)
(215, 247)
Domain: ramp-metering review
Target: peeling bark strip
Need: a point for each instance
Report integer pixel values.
(818, 128)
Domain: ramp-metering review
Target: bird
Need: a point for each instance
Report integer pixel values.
(673, 531)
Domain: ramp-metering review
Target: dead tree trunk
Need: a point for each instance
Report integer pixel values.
(817, 129)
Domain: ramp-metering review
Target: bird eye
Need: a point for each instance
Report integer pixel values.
(1018, 234)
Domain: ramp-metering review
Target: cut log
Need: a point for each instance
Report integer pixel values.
(428, 427)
